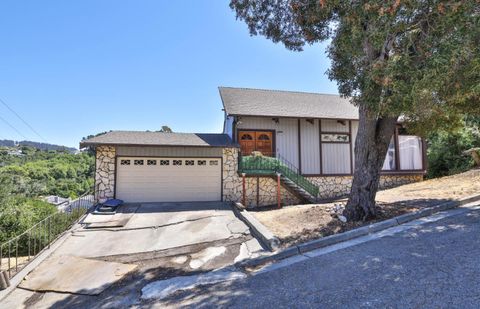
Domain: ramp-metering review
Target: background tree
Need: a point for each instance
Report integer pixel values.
(165, 129)
(418, 59)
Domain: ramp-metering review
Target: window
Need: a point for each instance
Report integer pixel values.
(410, 152)
(189, 162)
(389, 163)
(263, 137)
(202, 162)
(124, 162)
(213, 162)
(151, 162)
(177, 162)
(246, 137)
(164, 162)
(336, 138)
(137, 162)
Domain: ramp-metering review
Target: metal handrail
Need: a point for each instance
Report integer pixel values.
(293, 173)
(261, 165)
(30, 243)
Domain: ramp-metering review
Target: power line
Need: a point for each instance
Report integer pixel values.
(15, 129)
(26, 123)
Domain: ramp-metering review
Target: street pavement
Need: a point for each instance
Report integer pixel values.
(432, 265)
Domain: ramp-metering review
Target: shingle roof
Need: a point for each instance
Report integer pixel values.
(142, 138)
(276, 103)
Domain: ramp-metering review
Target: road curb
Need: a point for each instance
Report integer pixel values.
(355, 233)
(259, 230)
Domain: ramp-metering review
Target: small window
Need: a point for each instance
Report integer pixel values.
(124, 162)
(177, 162)
(263, 137)
(336, 138)
(246, 137)
(151, 162)
(213, 162)
(137, 162)
(202, 162)
(164, 162)
(189, 162)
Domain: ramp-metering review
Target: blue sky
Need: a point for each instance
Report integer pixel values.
(73, 68)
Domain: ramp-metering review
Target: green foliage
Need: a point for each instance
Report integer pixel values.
(445, 150)
(18, 213)
(410, 58)
(48, 173)
(416, 58)
(24, 178)
(165, 129)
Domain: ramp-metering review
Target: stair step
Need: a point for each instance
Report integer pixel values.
(297, 189)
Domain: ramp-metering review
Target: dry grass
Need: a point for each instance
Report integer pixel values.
(300, 223)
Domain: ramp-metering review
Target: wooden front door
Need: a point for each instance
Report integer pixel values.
(247, 142)
(261, 141)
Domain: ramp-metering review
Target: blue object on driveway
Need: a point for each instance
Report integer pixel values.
(107, 208)
(113, 202)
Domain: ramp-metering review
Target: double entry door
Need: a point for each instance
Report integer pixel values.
(261, 141)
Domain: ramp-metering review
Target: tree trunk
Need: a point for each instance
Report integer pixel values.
(371, 147)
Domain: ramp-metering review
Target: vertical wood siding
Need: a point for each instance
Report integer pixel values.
(334, 126)
(286, 134)
(336, 158)
(310, 147)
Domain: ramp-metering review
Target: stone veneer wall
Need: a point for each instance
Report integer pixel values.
(263, 187)
(261, 191)
(336, 186)
(266, 188)
(105, 173)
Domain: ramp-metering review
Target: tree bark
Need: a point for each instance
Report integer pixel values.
(371, 145)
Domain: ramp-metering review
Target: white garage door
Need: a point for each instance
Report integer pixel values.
(168, 179)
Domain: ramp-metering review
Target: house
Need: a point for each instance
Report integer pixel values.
(303, 142)
(56, 200)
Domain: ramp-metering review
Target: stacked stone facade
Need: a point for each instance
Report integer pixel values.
(260, 191)
(336, 186)
(105, 173)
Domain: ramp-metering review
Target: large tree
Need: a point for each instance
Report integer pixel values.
(414, 59)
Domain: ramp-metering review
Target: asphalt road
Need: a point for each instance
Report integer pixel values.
(434, 265)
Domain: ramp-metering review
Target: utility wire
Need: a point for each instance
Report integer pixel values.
(15, 129)
(26, 123)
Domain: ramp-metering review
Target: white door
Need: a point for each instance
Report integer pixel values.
(168, 179)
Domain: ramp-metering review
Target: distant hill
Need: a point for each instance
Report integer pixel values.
(41, 146)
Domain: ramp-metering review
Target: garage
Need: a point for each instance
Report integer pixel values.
(164, 179)
(146, 166)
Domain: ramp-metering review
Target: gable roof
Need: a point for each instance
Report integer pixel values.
(277, 103)
(142, 138)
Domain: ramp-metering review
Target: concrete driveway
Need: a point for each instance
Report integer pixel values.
(156, 227)
(161, 239)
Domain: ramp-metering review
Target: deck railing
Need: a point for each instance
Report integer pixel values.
(19, 251)
(270, 166)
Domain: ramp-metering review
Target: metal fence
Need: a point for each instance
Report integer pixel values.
(19, 251)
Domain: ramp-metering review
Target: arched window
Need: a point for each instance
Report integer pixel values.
(263, 137)
(246, 137)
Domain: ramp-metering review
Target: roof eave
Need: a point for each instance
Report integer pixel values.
(296, 117)
(97, 144)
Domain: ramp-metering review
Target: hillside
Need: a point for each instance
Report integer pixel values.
(38, 145)
(33, 172)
